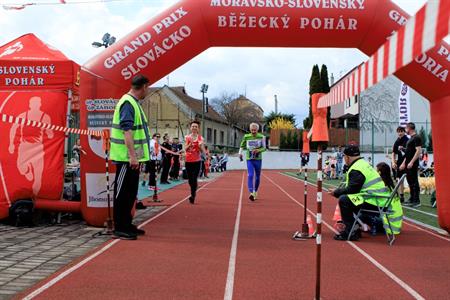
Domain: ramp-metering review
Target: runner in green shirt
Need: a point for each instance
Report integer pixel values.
(254, 144)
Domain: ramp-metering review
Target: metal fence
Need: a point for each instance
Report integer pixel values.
(379, 136)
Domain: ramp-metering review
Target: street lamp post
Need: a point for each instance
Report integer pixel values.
(204, 90)
(107, 41)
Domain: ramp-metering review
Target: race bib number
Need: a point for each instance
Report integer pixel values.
(254, 144)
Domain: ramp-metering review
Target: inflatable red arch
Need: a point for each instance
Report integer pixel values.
(190, 27)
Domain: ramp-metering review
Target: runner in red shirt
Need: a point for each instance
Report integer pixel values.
(194, 147)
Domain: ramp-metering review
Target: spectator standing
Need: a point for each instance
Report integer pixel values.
(166, 160)
(206, 162)
(155, 158)
(224, 161)
(77, 150)
(175, 170)
(411, 165)
(398, 156)
(339, 162)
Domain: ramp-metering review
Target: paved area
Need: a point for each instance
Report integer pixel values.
(28, 255)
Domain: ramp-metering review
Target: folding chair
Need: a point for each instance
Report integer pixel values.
(382, 211)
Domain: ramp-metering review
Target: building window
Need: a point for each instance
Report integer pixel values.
(356, 99)
(215, 137)
(208, 135)
(222, 137)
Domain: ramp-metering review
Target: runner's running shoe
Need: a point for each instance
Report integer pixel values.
(251, 197)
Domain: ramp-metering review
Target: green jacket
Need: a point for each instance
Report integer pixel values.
(119, 151)
(250, 143)
(375, 192)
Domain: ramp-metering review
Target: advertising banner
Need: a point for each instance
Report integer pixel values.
(98, 114)
(403, 105)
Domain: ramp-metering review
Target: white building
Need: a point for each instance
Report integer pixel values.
(378, 108)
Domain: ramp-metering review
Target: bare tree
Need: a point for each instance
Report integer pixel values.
(380, 104)
(235, 112)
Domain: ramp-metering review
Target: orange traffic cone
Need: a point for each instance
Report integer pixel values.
(337, 214)
(310, 223)
(337, 218)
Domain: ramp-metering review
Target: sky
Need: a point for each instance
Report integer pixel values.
(258, 73)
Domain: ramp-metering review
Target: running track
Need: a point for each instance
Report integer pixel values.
(226, 247)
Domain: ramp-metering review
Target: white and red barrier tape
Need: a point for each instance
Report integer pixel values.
(22, 121)
(421, 33)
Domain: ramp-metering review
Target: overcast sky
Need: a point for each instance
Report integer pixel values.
(260, 73)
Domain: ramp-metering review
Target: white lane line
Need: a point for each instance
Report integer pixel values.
(420, 211)
(97, 253)
(391, 275)
(232, 263)
(440, 232)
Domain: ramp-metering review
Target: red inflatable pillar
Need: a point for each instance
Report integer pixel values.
(441, 139)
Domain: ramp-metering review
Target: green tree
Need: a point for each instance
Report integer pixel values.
(272, 115)
(325, 88)
(315, 83)
(283, 143)
(423, 136)
(315, 86)
(295, 140)
(307, 123)
(318, 83)
(289, 139)
(430, 142)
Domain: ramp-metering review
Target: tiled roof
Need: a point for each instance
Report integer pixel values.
(196, 104)
(245, 99)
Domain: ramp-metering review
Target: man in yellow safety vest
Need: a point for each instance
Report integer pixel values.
(129, 148)
(363, 185)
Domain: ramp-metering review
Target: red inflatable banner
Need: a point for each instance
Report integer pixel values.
(320, 127)
(189, 27)
(305, 148)
(31, 163)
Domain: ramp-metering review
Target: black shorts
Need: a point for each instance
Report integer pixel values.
(147, 167)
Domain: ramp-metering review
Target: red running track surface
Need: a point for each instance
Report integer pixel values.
(186, 253)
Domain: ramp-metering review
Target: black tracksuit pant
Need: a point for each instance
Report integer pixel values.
(192, 169)
(175, 171)
(348, 208)
(152, 171)
(412, 176)
(165, 168)
(126, 186)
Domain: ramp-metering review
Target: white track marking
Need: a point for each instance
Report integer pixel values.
(97, 253)
(426, 226)
(420, 211)
(438, 230)
(232, 263)
(391, 275)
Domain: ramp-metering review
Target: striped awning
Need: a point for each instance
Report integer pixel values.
(421, 33)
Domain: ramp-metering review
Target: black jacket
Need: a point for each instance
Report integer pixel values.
(355, 182)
